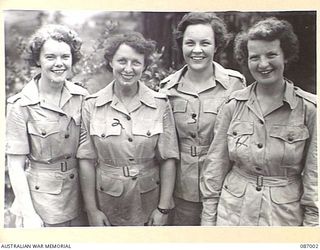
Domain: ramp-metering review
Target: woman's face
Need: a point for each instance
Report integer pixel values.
(198, 46)
(127, 65)
(266, 61)
(55, 60)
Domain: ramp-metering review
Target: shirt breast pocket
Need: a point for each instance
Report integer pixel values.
(105, 129)
(183, 119)
(239, 137)
(212, 106)
(147, 127)
(291, 139)
(45, 138)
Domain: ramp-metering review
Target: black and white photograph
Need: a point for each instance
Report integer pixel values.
(202, 119)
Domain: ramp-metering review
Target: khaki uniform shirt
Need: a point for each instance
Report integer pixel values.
(128, 145)
(195, 116)
(268, 163)
(49, 136)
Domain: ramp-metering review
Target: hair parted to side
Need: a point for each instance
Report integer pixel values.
(269, 29)
(133, 39)
(55, 32)
(221, 36)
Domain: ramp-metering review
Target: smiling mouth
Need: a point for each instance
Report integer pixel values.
(58, 71)
(127, 77)
(265, 72)
(197, 58)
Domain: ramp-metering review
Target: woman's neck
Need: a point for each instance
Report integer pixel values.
(47, 87)
(125, 92)
(199, 77)
(271, 90)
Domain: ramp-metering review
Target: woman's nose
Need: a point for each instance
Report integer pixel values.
(263, 62)
(197, 48)
(58, 61)
(128, 67)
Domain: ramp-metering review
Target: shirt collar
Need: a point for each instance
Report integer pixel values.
(220, 75)
(145, 95)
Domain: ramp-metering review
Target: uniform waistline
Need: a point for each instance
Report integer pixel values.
(194, 150)
(63, 165)
(141, 167)
(262, 180)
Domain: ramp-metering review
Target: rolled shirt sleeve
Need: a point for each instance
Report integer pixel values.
(167, 147)
(309, 198)
(216, 167)
(86, 149)
(16, 130)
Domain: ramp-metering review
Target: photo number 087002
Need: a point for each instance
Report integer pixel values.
(160, 119)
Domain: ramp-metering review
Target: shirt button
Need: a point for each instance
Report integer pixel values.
(67, 156)
(131, 159)
(225, 186)
(103, 135)
(71, 176)
(261, 122)
(260, 145)
(134, 178)
(43, 133)
(128, 118)
(258, 188)
(194, 115)
(37, 187)
(130, 139)
(258, 169)
(290, 138)
(234, 133)
(61, 114)
(101, 188)
(66, 136)
(193, 135)
(148, 133)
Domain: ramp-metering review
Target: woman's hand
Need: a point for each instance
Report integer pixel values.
(97, 218)
(32, 221)
(157, 218)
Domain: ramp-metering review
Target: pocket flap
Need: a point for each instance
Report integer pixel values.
(109, 185)
(43, 128)
(179, 106)
(240, 128)
(235, 185)
(148, 182)
(286, 194)
(212, 105)
(290, 134)
(45, 185)
(147, 127)
(104, 129)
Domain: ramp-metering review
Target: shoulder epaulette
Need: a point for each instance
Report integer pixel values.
(160, 95)
(241, 94)
(235, 73)
(14, 98)
(306, 95)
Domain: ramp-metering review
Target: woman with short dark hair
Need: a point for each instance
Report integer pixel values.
(128, 142)
(261, 168)
(196, 92)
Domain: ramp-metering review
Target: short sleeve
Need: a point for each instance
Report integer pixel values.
(167, 147)
(16, 130)
(86, 149)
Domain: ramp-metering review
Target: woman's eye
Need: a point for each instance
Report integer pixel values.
(189, 43)
(136, 63)
(49, 57)
(121, 61)
(206, 43)
(272, 55)
(66, 57)
(253, 58)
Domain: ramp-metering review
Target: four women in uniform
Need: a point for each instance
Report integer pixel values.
(253, 164)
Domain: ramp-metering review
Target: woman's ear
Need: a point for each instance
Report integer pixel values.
(110, 64)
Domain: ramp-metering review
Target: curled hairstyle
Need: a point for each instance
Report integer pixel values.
(56, 32)
(218, 27)
(269, 29)
(134, 40)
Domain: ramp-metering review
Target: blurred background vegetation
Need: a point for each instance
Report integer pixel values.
(94, 27)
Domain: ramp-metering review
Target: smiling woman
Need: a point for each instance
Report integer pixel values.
(43, 127)
(128, 142)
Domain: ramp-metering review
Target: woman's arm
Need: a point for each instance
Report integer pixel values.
(21, 191)
(88, 188)
(309, 199)
(167, 180)
(216, 166)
